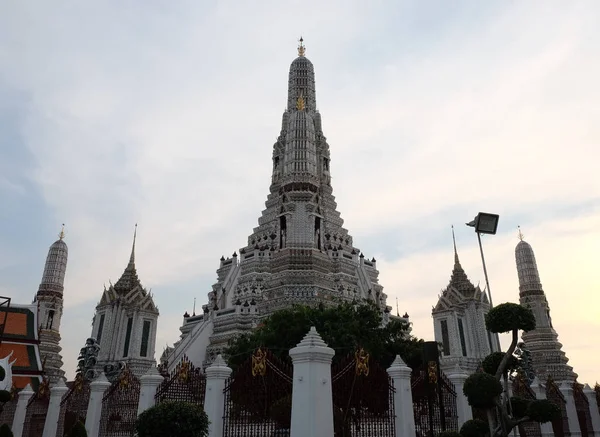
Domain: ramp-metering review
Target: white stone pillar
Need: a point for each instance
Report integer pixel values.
(56, 394)
(148, 385)
(403, 401)
(214, 398)
(566, 388)
(94, 411)
(21, 411)
(458, 377)
(540, 393)
(594, 413)
(312, 402)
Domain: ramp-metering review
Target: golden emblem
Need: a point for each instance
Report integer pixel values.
(44, 388)
(300, 103)
(362, 362)
(78, 383)
(259, 363)
(432, 372)
(183, 373)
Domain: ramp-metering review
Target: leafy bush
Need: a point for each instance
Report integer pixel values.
(5, 396)
(542, 410)
(173, 419)
(519, 407)
(5, 431)
(508, 317)
(474, 428)
(492, 361)
(78, 430)
(481, 390)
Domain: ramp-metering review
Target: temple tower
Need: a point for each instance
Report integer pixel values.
(546, 351)
(300, 251)
(459, 322)
(49, 299)
(125, 322)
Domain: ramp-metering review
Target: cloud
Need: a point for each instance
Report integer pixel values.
(166, 117)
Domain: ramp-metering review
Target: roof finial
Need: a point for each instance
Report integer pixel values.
(521, 236)
(61, 236)
(194, 310)
(397, 309)
(132, 257)
(301, 48)
(455, 251)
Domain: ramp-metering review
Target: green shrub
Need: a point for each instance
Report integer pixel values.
(542, 410)
(474, 428)
(509, 316)
(5, 396)
(481, 390)
(173, 419)
(519, 406)
(491, 363)
(5, 431)
(78, 430)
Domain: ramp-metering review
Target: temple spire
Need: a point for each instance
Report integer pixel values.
(301, 48)
(132, 257)
(456, 261)
(521, 236)
(61, 236)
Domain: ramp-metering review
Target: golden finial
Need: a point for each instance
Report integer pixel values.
(521, 236)
(300, 103)
(301, 48)
(62, 232)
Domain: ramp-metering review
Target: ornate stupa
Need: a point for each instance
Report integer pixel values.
(49, 299)
(548, 358)
(300, 251)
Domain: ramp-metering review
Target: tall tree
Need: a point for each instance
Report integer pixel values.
(344, 327)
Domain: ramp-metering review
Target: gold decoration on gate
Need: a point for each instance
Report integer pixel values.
(78, 383)
(362, 362)
(432, 372)
(183, 373)
(259, 363)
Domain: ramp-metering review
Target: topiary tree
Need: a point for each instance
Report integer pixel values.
(484, 390)
(5, 431)
(474, 428)
(5, 396)
(173, 419)
(78, 430)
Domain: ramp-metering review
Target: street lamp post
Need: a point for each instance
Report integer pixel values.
(485, 223)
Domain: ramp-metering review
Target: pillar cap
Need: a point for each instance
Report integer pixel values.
(27, 390)
(151, 376)
(399, 369)
(100, 382)
(218, 369)
(312, 348)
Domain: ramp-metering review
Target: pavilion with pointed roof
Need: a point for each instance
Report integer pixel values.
(459, 321)
(125, 322)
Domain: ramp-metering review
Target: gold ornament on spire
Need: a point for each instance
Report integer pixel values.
(301, 48)
(521, 236)
(62, 232)
(300, 103)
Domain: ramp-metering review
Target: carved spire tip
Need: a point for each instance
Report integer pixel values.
(61, 236)
(301, 47)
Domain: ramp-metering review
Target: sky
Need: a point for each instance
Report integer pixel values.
(164, 114)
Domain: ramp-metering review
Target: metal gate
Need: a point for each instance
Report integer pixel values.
(37, 409)
(434, 402)
(8, 409)
(185, 383)
(73, 407)
(363, 398)
(560, 426)
(582, 406)
(258, 398)
(120, 406)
